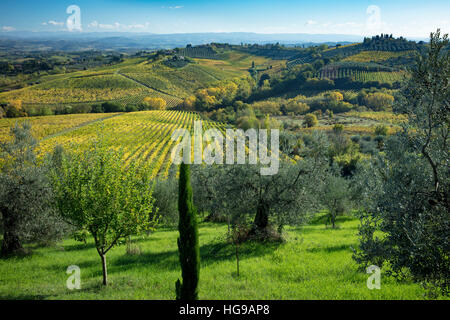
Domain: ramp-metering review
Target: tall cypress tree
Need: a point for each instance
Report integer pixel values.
(188, 241)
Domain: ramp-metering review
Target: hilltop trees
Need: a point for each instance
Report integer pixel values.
(188, 241)
(407, 192)
(99, 196)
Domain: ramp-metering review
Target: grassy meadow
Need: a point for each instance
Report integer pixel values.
(313, 263)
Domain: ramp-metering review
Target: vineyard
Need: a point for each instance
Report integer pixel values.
(143, 137)
(43, 127)
(89, 88)
(125, 83)
(375, 56)
(386, 77)
(201, 52)
(359, 71)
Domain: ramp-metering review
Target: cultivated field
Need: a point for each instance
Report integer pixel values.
(143, 137)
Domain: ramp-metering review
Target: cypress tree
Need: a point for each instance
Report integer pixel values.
(188, 240)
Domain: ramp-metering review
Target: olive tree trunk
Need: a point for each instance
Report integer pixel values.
(261, 221)
(11, 242)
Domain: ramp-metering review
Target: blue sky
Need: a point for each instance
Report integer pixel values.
(410, 18)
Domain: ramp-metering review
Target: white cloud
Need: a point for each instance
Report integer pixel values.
(44, 23)
(55, 23)
(8, 28)
(105, 26)
(137, 26)
(93, 24)
(172, 8)
(350, 25)
(118, 26)
(310, 22)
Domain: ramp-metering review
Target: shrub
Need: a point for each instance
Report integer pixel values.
(247, 122)
(296, 107)
(112, 107)
(355, 139)
(97, 108)
(338, 128)
(310, 120)
(319, 84)
(13, 112)
(381, 130)
(155, 103)
(63, 109)
(81, 108)
(379, 101)
(267, 107)
(335, 96)
(131, 108)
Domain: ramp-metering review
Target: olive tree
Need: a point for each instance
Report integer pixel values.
(97, 194)
(286, 197)
(25, 195)
(336, 197)
(406, 193)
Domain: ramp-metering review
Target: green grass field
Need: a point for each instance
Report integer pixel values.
(314, 263)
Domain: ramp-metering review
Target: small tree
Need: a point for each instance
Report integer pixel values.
(335, 197)
(98, 195)
(238, 234)
(155, 103)
(310, 120)
(188, 241)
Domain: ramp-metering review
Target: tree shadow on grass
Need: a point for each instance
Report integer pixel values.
(330, 249)
(24, 297)
(302, 230)
(81, 264)
(209, 253)
(322, 219)
(79, 246)
(91, 245)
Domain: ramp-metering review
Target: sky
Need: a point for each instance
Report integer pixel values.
(409, 18)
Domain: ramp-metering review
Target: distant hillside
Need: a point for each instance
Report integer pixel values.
(135, 41)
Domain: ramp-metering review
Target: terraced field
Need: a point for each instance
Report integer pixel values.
(143, 137)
